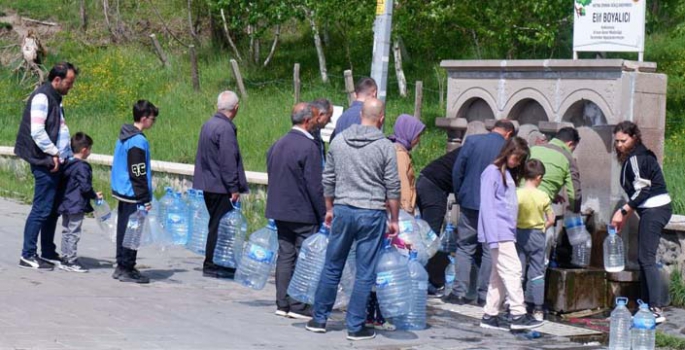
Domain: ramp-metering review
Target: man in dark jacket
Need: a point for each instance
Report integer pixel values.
(43, 141)
(294, 199)
(322, 111)
(131, 183)
(219, 173)
(476, 154)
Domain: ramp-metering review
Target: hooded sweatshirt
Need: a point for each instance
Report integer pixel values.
(131, 172)
(78, 190)
(361, 169)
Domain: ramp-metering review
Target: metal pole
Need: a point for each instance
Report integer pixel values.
(382, 29)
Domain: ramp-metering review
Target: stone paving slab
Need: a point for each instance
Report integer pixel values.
(182, 310)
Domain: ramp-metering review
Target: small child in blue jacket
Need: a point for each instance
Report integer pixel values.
(75, 202)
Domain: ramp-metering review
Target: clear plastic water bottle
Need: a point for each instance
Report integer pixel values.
(614, 260)
(575, 228)
(580, 253)
(392, 282)
(106, 219)
(164, 203)
(430, 240)
(259, 257)
(133, 237)
(310, 263)
(232, 234)
(416, 318)
(159, 236)
(199, 217)
(176, 221)
(347, 280)
(448, 240)
(450, 276)
(408, 229)
(619, 333)
(643, 333)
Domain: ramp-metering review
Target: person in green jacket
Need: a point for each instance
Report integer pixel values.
(561, 171)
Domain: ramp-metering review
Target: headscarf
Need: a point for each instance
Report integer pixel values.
(407, 128)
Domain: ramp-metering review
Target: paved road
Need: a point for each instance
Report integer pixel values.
(180, 309)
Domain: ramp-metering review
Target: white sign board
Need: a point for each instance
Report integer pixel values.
(609, 25)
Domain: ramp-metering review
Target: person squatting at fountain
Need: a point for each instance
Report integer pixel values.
(644, 183)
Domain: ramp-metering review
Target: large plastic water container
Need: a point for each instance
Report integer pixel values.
(199, 217)
(347, 280)
(430, 240)
(135, 235)
(310, 263)
(392, 282)
(575, 228)
(580, 253)
(619, 332)
(408, 229)
(232, 233)
(450, 276)
(259, 257)
(614, 259)
(416, 318)
(642, 334)
(176, 220)
(159, 236)
(106, 219)
(164, 203)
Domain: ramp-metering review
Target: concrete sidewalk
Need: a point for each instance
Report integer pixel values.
(180, 309)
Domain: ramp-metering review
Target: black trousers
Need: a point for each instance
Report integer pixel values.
(218, 204)
(432, 201)
(290, 238)
(652, 222)
(126, 258)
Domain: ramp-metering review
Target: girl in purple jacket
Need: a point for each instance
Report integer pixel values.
(497, 232)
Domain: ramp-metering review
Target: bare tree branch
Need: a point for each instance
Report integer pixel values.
(273, 46)
(166, 28)
(228, 37)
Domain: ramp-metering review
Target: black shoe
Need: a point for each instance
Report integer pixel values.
(52, 259)
(363, 334)
(315, 327)
(35, 263)
(453, 299)
(494, 322)
(304, 314)
(133, 276)
(118, 271)
(435, 292)
(524, 322)
(73, 266)
(218, 272)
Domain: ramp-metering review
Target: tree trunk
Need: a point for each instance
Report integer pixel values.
(319, 47)
(193, 64)
(256, 50)
(401, 80)
(160, 52)
(277, 34)
(191, 28)
(228, 37)
(84, 17)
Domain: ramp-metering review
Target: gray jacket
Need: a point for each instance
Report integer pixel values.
(361, 169)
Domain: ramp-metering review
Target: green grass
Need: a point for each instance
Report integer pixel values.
(667, 341)
(677, 288)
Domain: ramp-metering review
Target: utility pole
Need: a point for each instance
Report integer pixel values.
(382, 29)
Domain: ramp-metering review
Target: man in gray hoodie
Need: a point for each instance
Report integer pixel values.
(361, 179)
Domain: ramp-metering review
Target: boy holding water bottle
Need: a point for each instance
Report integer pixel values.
(535, 216)
(75, 201)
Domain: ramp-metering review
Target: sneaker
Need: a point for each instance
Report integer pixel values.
(281, 312)
(384, 326)
(55, 260)
(658, 315)
(315, 327)
(493, 322)
(435, 292)
(118, 271)
(35, 263)
(133, 276)
(74, 266)
(363, 334)
(305, 314)
(525, 321)
(218, 272)
(453, 299)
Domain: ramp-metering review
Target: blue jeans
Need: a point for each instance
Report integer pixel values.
(366, 227)
(42, 219)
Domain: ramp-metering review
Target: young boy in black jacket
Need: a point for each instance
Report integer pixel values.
(75, 202)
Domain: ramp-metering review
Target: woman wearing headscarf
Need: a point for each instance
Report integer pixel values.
(407, 134)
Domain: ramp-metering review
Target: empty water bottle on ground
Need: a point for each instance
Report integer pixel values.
(133, 237)
(416, 318)
(231, 237)
(106, 219)
(642, 334)
(575, 228)
(450, 276)
(580, 253)
(310, 263)
(259, 257)
(619, 332)
(199, 217)
(176, 221)
(448, 240)
(614, 260)
(392, 282)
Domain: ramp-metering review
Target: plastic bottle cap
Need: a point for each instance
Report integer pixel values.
(413, 255)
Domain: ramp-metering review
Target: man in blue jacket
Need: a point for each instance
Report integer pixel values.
(219, 173)
(476, 154)
(366, 88)
(295, 200)
(132, 183)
